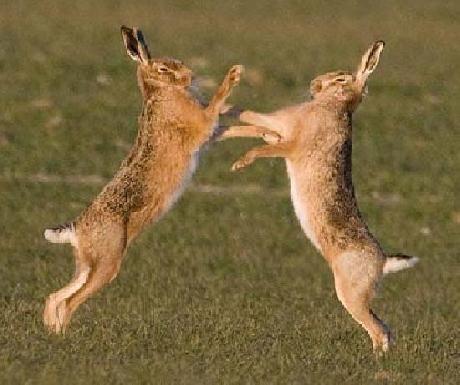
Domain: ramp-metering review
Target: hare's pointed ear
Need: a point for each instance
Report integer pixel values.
(135, 44)
(369, 61)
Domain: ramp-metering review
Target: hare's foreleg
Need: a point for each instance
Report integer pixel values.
(251, 132)
(223, 92)
(277, 150)
(271, 121)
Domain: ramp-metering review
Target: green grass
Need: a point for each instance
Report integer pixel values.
(226, 289)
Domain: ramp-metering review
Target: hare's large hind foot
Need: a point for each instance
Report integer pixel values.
(56, 315)
(385, 339)
(61, 305)
(355, 278)
(97, 264)
(103, 273)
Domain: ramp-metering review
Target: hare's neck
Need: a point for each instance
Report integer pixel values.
(336, 117)
(162, 93)
(334, 106)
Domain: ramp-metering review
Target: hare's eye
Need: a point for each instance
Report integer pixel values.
(163, 69)
(341, 80)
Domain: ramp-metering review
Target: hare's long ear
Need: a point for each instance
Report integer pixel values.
(369, 61)
(135, 44)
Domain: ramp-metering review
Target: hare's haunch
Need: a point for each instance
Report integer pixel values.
(316, 142)
(173, 126)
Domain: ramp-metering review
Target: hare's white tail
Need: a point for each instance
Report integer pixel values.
(398, 262)
(62, 234)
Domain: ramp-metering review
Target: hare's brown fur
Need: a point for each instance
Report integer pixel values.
(172, 128)
(317, 143)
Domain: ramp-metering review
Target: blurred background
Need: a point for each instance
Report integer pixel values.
(226, 289)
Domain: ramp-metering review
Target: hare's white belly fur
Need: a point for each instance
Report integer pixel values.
(184, 182)
(186, 178)
(301, 208)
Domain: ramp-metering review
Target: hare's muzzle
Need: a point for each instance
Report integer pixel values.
(184, 78)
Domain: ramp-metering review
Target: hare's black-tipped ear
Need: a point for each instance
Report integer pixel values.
(370, 60)
(135, 44)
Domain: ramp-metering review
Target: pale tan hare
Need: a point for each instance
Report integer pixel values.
(316, 143)
(173, 126)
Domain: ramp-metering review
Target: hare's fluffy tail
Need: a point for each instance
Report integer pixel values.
(398, 262)
(62, 234)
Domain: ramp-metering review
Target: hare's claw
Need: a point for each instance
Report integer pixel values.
(230, 110)
(241, 163)
(271, 137)
(234, 74)
(238, 165)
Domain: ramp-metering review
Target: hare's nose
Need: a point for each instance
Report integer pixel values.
(186, 77)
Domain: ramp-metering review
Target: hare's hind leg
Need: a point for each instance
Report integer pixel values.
(106, 261)
(55, 308)
(100, 261)
(356, 276)
(104, 272)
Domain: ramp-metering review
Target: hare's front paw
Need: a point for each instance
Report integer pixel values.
(234, 75)
(242, 163)
(231, 111)
(271, 137)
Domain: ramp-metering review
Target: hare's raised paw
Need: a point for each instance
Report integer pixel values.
(230, 111)
(271, 137)
(241, 163)
(234, 74)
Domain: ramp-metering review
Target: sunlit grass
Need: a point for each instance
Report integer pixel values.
(226, 289)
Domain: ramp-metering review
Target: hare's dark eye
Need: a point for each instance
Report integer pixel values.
(163, 69)
(341, 80)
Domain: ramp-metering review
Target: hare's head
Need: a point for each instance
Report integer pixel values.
(154, 72)
(346, 87)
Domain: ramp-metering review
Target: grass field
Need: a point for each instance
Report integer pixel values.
(226, 289)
